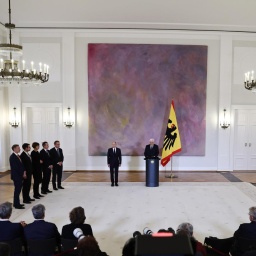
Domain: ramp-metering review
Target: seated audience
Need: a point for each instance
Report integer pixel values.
(187, 229)
(248, 230)
(245, 231)
(5, 249)
(77, 218)
(88, 246)
(11, 230)
(40, 229)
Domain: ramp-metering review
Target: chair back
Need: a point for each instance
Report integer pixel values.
(244, 244)
(42, 247)
(68, 244)
(16, 246)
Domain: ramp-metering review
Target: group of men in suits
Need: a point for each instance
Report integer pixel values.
(50, 162)
(114, 158)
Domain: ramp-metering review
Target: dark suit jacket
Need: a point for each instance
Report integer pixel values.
(10, 231)
(41, 229)
(46, 158)
(67, 230)
(27, 162)
(246, 230)
(151, 152)
(114, 159)
(17, 167)
(56, 157)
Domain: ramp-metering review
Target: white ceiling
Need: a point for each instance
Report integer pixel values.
(236, 15)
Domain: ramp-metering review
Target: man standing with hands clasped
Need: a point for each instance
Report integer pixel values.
(18, 173)
(114, 162)
(57, 159)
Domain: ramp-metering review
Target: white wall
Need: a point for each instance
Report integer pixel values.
(67, 53)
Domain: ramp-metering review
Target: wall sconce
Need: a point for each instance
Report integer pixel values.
(68, 123)
(14, 123)
(224, 124)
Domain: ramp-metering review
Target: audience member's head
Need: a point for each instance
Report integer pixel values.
(185, 229)
(252, 213)
(77, 215)
(5, 249)
(129, 248)
(88, 246)
(38, 211)
(5, 210)
(35, 145)
(151, 141)
(57, 143)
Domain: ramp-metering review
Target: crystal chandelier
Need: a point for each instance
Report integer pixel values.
(11, 72)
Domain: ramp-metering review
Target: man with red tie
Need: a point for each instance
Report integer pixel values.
(18, 174)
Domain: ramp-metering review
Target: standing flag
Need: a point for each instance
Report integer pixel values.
(172, 144)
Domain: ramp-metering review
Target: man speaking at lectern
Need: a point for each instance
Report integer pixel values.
(151, 150)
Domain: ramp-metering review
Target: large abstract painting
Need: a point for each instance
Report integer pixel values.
(131, 87)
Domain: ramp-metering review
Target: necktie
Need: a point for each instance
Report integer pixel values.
(18, 157)
(58, 152)
(114, 150)
(29, 157)
(47, 153)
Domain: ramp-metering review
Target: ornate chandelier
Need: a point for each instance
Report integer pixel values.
(11, 72)
(249, 81)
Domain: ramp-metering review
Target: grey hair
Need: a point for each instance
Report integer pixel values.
(38, 211)
(5, 210)
(151, 140)
(252, 212)
(187, 227)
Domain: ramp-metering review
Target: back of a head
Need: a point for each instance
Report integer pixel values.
(5, 210)
(88, 246)
(5, 249)
(185, 227)
(77, 215)
(129, 248)
(38, 211)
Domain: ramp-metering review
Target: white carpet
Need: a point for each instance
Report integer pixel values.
(114, 213)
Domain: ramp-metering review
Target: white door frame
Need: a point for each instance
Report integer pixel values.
(25, 107)
(232, 127)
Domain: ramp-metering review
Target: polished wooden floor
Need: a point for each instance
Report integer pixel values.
(6, 185)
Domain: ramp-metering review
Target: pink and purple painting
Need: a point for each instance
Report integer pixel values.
(131, 87)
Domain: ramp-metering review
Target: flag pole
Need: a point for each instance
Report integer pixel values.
(171, 176)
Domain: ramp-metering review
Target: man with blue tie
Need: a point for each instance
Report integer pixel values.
(46, 167)
(18, 174)
(114, 158)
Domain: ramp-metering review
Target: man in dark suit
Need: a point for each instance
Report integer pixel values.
(46, 167)
(57, 159)
(151, 150)
(9, 230)
(40, 229)
(27, 162)
(18, 174)
(248, 230)
(114, 157)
